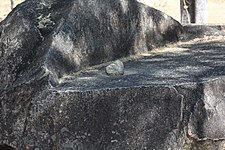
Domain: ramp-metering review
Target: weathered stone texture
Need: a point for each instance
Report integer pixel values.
(67, 36)
(43, 107)
(116, 68)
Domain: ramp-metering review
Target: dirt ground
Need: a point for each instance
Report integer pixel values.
(170, 7)
(5, 7)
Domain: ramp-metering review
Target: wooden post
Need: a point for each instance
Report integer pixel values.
(12, 4)
(187, 8)
(201, 11)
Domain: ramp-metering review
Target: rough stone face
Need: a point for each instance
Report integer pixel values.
(116, 68)
(158, 101)
(66, 36)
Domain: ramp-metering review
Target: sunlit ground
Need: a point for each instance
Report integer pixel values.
(172, 7)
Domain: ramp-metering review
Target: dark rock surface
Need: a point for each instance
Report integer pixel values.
(200, 31)
(172, 99)
(41, 41)
(190, 74)
(66, 36)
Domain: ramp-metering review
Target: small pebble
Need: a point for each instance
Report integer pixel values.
(115, 69)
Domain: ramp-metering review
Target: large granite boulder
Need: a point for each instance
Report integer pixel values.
(42, 41)
(66, 36)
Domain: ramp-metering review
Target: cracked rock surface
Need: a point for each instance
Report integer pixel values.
(178, 92)
(170, 98)
(41, 41)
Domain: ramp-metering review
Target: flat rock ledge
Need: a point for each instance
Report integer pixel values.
(170, 98)
(42, 41)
